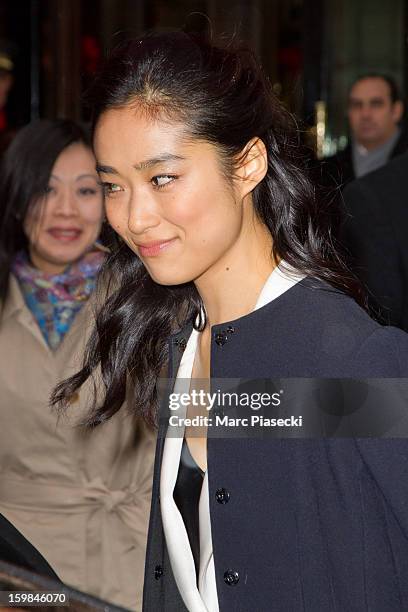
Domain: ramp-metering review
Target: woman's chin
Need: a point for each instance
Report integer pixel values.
(170, 279)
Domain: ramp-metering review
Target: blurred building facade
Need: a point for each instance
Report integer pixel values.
(311, 49)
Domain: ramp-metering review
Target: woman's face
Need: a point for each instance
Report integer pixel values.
(63, 225)
(166, 196)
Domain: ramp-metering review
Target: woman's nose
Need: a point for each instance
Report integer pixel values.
(142, 215)
(66, 204)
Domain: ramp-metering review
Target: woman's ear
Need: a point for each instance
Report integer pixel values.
(398, 111)
(252, 166)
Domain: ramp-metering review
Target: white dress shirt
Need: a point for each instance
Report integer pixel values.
(204, 597)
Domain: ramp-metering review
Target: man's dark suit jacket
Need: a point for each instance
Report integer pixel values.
(375, 234)
(15, 549)
(337, 170)
(311, 525)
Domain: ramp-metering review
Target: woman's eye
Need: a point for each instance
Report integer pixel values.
(49, 189)
(162, 180)
(111, 188)
(88, 191)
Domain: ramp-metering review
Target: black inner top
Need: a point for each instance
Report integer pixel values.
(187, 496)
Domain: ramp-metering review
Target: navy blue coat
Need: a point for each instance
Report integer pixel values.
(310, 525)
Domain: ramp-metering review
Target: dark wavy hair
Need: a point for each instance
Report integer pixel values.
(24, 174)
(222, 97)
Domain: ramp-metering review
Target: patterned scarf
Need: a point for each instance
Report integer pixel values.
(54, 300)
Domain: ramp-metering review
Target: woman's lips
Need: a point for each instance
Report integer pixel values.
(65, 235)
(154, 248)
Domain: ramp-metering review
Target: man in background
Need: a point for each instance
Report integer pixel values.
(375, 110)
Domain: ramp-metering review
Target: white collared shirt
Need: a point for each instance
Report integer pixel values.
(204, 597)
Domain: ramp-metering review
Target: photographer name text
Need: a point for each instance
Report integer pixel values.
(225, 421)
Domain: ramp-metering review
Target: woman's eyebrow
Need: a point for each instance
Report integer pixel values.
(102, 169)
(148, 163)
(86, 175)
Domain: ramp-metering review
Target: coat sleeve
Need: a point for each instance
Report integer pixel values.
(372, 249)
(386, 459)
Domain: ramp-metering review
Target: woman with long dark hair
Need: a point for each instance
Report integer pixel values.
(224, 268)
(81, 498)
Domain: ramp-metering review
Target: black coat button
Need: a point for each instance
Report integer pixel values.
(158, 572)
(222, 496)
(231, 577)
(221, 338)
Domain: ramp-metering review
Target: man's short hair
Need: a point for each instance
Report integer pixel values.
(395, 93)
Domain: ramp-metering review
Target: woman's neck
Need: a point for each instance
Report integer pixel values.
(230, 289)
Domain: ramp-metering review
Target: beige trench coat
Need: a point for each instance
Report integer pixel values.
(82, 498)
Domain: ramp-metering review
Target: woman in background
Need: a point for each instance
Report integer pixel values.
(81, 498)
